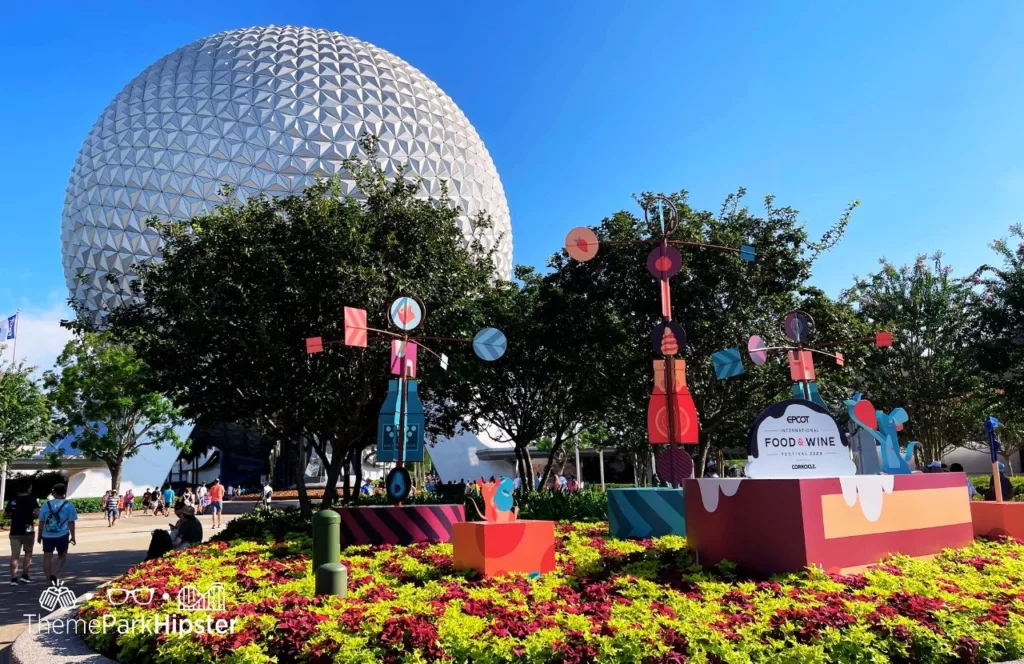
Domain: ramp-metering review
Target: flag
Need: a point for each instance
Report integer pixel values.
(9, 327)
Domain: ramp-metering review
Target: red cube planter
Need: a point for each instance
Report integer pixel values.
(493, 549)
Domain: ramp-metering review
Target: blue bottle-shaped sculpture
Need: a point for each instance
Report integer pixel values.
(387, 423)
(414, 423)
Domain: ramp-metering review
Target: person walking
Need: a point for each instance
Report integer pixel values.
(202, 498)
(268, 495)
(22, 510)
(56, 531)
(168, 496)
(129, 503)
(110, 500)
(216, 503)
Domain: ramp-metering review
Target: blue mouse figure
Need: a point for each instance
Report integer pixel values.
(883, 427)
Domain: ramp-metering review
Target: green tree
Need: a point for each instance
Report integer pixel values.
(931, 370)
(545, 387)
(24, 412)
(717, 299)
(999, 333)
(238, 291)
(102, 392)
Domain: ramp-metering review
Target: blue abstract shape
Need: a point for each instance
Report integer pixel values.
(747, 252)
(503, 498)
(728, 363)
(815, 396)
(893, 463)
(646, 513)
(387, 424)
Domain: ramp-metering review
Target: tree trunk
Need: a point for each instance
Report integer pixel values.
(702, 466)
(556, 448)
(521, 467)
(357, 470)
(346, 481)
(528, 462)
(333, 472)
(115, 473)
(299, 455)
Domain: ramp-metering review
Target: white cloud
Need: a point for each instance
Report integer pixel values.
(40, 336)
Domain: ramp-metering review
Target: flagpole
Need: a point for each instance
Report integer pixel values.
(3, 472)
(17, 324)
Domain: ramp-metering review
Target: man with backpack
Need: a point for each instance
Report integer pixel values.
(56, 531)
(22, 509)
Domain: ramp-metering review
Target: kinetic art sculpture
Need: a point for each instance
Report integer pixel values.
(400, 426)
(671, 414)
(883, 428)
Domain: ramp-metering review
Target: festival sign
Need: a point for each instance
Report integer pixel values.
(797, 438)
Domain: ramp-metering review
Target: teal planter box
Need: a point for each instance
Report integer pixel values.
(642, 513)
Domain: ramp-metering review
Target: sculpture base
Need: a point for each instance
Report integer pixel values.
(391, 524)
(842, 524)
(493, 549)
(993, 519)
(645, 513)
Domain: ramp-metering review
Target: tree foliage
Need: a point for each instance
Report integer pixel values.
(931, 369)
(24, 411)
(238, 291)
(102, 392)
(609, 305)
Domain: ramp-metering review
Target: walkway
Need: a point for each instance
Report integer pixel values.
(101, 554)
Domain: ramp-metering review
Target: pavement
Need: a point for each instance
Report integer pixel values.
(101, 554)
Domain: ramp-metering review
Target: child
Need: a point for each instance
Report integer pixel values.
(111, 499)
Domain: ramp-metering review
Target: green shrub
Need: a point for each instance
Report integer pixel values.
(982, 483)
(261, 524)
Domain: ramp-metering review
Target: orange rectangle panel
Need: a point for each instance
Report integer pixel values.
(801, 365)
(314, 345)
(904, 510)
(355, 327)
(494, 549)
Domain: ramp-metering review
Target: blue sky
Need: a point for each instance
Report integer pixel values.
(913, 109)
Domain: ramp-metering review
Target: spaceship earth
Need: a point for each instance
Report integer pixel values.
(265, 110)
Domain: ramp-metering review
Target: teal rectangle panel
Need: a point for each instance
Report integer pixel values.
(642, 513)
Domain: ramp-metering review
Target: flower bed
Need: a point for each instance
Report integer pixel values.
(609, 601)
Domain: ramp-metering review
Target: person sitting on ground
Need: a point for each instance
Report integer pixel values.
(1004, 482)
(160, 507)
(190, 531)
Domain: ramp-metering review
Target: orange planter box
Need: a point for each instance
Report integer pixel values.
(493, 549)
(993, 519)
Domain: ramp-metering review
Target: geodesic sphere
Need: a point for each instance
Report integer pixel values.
(264, 110)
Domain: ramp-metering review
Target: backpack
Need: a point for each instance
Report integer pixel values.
(54, 522)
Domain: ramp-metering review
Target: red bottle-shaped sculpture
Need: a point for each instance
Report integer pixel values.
(671, 401)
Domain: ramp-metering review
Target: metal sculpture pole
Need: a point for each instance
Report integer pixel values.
(993, 444)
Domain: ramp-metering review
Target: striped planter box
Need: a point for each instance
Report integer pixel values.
(391, 524)
(645, 513)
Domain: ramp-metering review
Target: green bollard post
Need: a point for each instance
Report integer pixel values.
(326, 538)
(332, 579)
